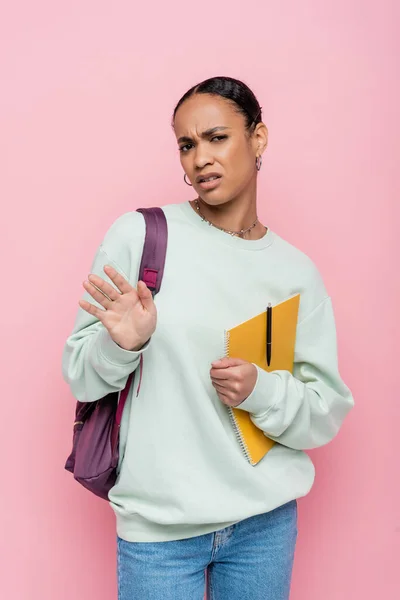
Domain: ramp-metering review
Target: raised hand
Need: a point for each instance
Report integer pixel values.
(129, 315)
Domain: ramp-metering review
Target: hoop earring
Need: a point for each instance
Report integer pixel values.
(184, 177)
(258, 162)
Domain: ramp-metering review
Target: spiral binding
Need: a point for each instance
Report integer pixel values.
(236, 429)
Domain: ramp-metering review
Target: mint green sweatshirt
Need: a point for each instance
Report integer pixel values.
(182, 472)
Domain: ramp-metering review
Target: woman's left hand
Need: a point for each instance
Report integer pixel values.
(234, 380)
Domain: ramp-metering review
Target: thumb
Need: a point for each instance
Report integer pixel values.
(145, 295)
(224, 363)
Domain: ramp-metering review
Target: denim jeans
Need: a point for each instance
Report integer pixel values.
(251, 560)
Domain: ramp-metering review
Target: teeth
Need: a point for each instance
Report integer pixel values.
(210, 178)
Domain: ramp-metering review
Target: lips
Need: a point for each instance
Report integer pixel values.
(201, 178)
(212, 184)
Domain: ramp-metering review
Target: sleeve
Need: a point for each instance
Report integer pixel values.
(92, 363)
(304, 410)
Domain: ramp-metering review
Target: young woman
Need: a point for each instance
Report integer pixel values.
(186, 500)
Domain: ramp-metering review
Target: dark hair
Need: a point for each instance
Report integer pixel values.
(235, 91)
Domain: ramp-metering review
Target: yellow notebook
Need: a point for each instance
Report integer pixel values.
(248, 342)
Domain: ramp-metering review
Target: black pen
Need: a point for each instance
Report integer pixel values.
(269, 333)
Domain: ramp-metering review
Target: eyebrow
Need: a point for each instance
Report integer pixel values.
(205, 134)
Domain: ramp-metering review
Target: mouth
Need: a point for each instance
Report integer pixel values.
(210, 182)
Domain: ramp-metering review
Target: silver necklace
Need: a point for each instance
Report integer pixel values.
(232, 233)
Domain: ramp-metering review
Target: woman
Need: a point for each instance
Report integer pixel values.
(186, 501)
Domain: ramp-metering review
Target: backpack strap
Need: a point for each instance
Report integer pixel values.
(155, 248)
(151, 271)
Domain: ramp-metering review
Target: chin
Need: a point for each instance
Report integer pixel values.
(214, 200)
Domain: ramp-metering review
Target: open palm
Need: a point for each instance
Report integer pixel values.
(129, 315)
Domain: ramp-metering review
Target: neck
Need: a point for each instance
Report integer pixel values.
(233, 216)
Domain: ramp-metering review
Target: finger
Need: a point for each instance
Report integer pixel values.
(107, 289)
(225, 398)
(97, 294)
(221, 363)
(230, 387)
(218, 386)
(92, 309)
(220, 374)
(122, 284)
(145, 295)
(226, 362)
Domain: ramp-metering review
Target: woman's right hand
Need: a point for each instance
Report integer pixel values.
(130, 316)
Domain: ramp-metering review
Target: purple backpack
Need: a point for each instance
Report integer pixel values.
(95, 443)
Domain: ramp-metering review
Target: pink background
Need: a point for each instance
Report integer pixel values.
(88, 89)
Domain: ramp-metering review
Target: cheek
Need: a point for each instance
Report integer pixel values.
(239, 166)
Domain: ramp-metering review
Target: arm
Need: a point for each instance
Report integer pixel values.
(92, 363)
(303, 410)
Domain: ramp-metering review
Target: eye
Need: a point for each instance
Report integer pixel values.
(219, 137)
(215, 137)
(182, 148)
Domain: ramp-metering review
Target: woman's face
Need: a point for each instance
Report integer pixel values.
(227, 151)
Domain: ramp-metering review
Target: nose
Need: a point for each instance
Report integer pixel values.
(202, 156)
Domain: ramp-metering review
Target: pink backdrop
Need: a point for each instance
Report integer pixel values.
(88, 90)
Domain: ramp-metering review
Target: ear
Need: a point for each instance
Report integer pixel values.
(260, 137)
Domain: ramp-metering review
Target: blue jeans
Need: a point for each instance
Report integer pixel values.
(251, 560)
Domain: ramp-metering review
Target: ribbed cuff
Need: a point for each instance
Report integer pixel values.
(263, 396)
(114, 353)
